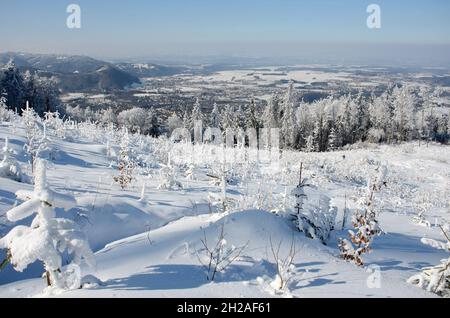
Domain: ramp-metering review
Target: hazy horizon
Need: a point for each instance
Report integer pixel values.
(322, 31)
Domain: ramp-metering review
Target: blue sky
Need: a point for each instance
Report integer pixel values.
(112, 28)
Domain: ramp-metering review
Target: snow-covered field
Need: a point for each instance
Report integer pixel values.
(148, 242)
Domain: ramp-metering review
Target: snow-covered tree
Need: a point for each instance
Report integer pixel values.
(197, 113)
(169, 174)
(139, 120)
(48, 237)
(227, 117)
(365, 223)
(288, 122)
(12, 86)
(404, 113)
(108, 116)
(214, 117)
(126, 163)
(252, 120)
(315, 223)
(271, 116)
(174, 122)
(333, 142)
(36, 138)
(9, 167)
(435, 279)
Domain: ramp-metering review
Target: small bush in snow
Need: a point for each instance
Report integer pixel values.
(47, 237)
(365, 223)
(216, 258)
(284, 266)
(126, 165)
(435, 279)
(315, 223)
(169, 177)
(9, 167)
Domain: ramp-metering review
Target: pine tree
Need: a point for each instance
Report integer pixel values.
(12, 86)
(48, 237)
(271, 113)
(197, 114)
(333, 142)
(214, 117)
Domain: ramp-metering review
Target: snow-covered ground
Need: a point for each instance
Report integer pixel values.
(150, 246)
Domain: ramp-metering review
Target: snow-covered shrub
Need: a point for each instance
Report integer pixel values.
(48, 237)
(220, 200)
(36, 139)
(435, 279)
(421, 220)
(9, 167)
(126, 165)
(216, 258)
(365, 223)
(168, 174)
(284, 265)
(316, 223)
(55, 123)
(5, 114)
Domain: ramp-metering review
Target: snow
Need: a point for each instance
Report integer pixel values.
(148, 245)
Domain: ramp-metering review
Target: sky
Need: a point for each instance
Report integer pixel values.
(314, 29)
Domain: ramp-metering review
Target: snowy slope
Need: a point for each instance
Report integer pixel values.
(150, 247)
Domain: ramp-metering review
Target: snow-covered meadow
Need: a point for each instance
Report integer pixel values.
(153, 223)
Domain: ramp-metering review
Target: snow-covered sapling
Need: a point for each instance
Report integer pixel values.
(216, 258)
(221, 200)
(365, 223)
(316, 223)
(48, 237)
(36, 141)
(9, 167)
(284, 265)
(435, 279)
(169, 174)
(126, 165)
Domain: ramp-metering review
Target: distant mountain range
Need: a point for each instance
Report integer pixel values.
(82, 73)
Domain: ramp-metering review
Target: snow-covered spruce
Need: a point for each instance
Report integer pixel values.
(435, 279)
(48, 237)
(169, 173)
(9, 167)
(365, 223)
(315, 223)
(36, 137)
(126, 164)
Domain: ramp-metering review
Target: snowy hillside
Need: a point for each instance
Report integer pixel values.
(150, 222)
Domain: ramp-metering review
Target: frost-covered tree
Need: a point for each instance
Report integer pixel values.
(9, 167)
(126, 163)
(108, 116)
(333, 141)
(365, 223)
(214, 117)
(227, 117)
(36, 139)
(271, 116)
(404, 113)
(174, 122)
(48, 237)
(435, 279)
(169, 174)
(315, 223)
(139, 120)
(197, 113)
(12, 86)
(288, 122)
(5, 113)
